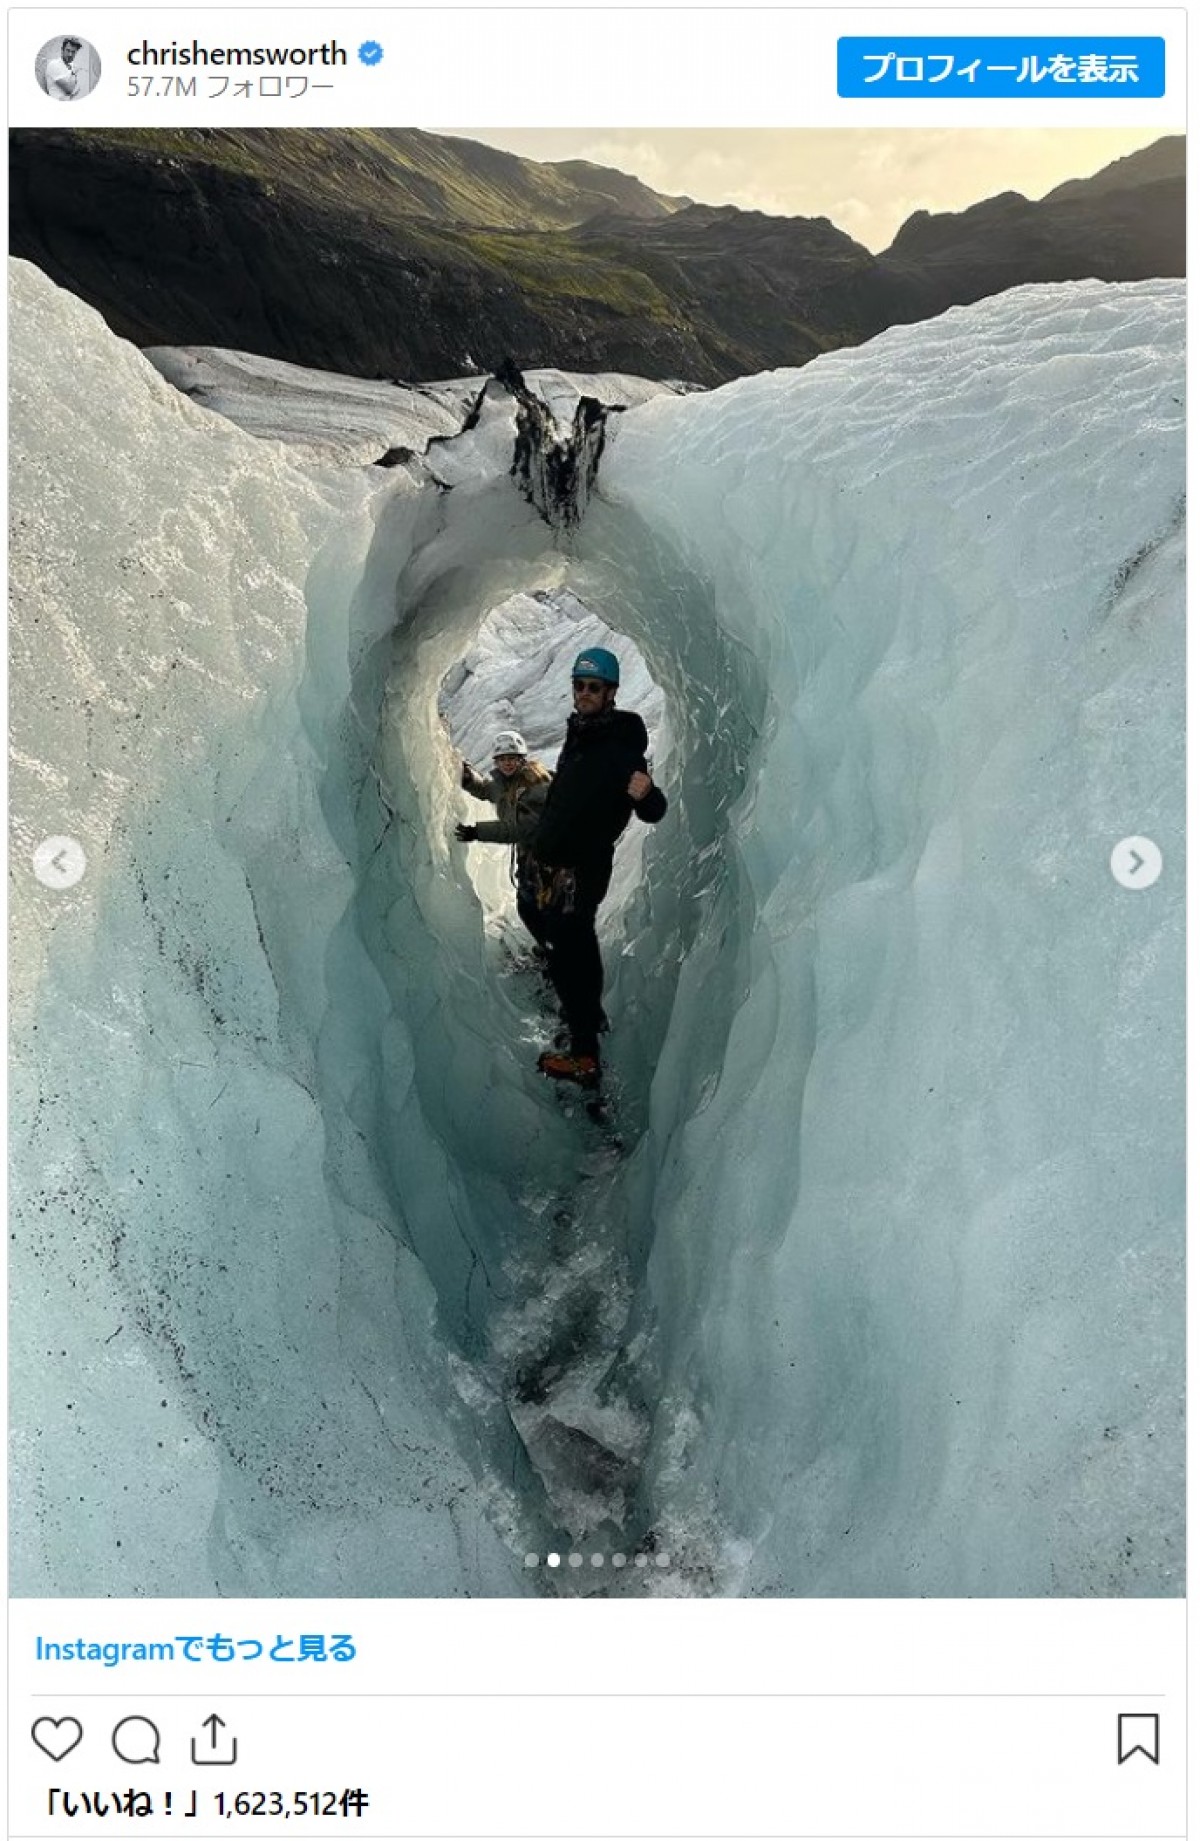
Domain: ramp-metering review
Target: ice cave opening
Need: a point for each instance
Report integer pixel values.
(537, 1238)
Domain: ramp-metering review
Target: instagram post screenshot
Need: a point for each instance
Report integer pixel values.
(596, 923)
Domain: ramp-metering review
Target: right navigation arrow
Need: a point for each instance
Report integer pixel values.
(1136, 862)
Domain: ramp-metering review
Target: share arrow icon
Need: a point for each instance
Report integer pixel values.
(212, 1752)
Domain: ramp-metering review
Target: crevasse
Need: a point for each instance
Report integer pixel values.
(883, 1296)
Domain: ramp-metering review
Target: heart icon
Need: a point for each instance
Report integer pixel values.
(57, 1737)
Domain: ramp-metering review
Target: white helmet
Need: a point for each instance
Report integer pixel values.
(509, 741)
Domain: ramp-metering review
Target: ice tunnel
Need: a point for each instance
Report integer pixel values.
(514, 677)
(880, 1293)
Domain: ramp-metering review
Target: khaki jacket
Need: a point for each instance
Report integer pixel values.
(519, 802)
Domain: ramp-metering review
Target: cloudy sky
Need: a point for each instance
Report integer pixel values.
(866, 180)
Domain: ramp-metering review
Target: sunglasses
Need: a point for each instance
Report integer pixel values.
(588, 684)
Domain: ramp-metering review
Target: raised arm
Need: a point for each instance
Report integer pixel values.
(649, 801)
(524, 821)
(480, 786)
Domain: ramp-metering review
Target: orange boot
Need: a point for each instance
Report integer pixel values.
(584, 1070)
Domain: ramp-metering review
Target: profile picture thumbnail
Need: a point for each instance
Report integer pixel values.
(68, 68)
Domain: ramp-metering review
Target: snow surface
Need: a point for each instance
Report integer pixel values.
(359, 419)
(227, 1378)
(884, 1296)
(917, 1201)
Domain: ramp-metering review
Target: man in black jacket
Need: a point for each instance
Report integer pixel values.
(600, 779)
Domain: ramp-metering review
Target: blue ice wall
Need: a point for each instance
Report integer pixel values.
(882, 1295)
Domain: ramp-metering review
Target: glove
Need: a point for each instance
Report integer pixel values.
(468, 773)
(465, 833)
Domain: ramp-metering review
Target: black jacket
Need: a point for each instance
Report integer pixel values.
(588, 807)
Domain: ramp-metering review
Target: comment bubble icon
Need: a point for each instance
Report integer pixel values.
(136, 1740)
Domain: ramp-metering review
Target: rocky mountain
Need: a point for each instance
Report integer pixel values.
(1162, 160)
(396, 253)
(1125, 223)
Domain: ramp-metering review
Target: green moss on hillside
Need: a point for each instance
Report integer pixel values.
(392, 174)
(555, 268)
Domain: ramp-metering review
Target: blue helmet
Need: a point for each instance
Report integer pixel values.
(597, 663)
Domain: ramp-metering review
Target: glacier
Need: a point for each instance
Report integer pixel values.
(876, 1290)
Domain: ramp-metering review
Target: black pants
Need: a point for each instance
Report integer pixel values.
(534, 920)
(577, 974)
(575, 967)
